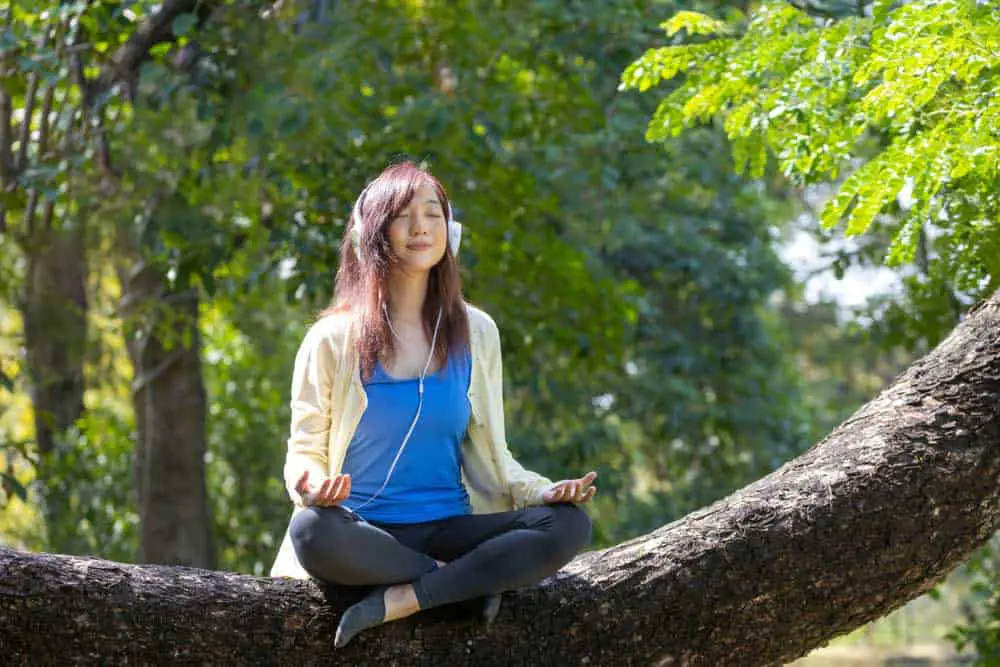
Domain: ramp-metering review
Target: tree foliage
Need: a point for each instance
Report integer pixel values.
(901, 100)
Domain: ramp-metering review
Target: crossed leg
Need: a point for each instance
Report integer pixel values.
(487, 554)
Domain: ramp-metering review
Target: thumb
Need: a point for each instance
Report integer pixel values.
(302, 485)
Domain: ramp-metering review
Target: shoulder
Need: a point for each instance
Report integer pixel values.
(330, 330)
(483, 327)
(480, 322)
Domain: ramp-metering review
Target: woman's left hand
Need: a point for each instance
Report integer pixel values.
(572, 490)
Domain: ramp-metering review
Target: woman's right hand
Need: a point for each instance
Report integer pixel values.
(329, 492)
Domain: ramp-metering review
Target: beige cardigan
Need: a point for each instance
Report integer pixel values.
(328, 400)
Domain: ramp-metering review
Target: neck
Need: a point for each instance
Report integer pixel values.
(407, 294)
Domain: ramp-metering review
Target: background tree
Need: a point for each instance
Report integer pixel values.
(43, 137)
(73, 61)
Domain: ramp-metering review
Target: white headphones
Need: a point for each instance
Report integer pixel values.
(454, 228)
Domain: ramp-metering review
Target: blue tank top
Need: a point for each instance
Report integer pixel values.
(427, 481)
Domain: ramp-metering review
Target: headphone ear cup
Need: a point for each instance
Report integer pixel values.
(356, 241)
(454, 236)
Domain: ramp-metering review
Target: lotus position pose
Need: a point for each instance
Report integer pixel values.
(397, 463)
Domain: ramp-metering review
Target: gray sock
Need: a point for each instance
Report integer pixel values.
(491, 607)
(367, 613)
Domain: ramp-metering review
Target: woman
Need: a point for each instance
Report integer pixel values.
(389, 491)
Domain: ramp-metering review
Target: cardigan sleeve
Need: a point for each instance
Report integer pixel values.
(526, 486)
(312, 382)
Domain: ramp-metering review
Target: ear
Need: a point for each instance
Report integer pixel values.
(356, 237)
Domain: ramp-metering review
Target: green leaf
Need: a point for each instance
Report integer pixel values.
(881, 9)
(695, 23)
(665, 63)
(182, 24)
(904, 243)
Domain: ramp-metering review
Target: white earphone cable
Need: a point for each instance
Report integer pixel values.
(420, 404)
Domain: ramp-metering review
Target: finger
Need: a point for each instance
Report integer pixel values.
(302, 485)
(323, 491)
(337, 488)
(315, 491)
(331, 491)
(340, 486)
(347, 487)
(591, 492)
(589, 477)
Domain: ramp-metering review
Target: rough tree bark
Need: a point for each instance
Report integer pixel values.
(867, 519)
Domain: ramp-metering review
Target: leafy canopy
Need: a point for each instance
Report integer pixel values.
(902, 98)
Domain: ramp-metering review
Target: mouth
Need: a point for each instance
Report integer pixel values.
(419, 246)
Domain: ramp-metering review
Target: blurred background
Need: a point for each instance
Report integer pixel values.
(173, 199)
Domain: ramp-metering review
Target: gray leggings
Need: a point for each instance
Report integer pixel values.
(485, 553)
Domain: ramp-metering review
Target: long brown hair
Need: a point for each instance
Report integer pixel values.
(361, 287)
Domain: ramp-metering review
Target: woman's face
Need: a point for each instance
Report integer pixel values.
(418, 235)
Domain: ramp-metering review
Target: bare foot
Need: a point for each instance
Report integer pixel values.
(400, 602)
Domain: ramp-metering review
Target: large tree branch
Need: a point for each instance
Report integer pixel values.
(158, 28)
(869, 518)
(32, 93)
(123, 68)
(7, 175)
(124, 64)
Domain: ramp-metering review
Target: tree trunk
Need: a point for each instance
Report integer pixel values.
(168, 397)
(54, 309)
(871, 517)
(55, 331)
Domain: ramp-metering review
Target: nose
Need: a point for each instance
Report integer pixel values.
(421, 224)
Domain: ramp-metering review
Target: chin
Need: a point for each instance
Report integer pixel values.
(421, 262)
